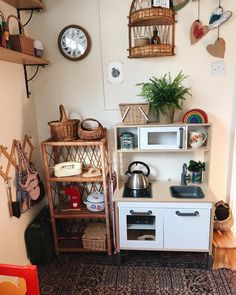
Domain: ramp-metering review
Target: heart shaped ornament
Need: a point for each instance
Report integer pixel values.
(197, 31)
(218, 17)
(217, 49)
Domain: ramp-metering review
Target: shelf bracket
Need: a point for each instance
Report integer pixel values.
(27, 79)
(30, 17)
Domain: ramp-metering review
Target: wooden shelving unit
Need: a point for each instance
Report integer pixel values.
(25, 4)
(142, 22)
(69, 224)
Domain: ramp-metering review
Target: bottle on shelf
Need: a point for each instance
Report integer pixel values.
(155, 38)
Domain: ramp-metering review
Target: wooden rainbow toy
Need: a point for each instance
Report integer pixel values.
(194, 116)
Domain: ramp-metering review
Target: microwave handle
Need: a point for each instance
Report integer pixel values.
(181, 138)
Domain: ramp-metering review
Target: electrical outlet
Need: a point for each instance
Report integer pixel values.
(218, 68)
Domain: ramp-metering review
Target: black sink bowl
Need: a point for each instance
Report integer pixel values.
(186, 192)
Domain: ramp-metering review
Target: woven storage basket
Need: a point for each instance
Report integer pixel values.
(86, 133)
(134, 113)
(94, 237)
(64, 129)
(224, 225)
(20, 42)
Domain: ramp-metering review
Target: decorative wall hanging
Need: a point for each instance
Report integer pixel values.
(218, 17)
(195, 116)
(198, 30)
(178, 4)
(217, 49)
(74, 42)
(115, 72)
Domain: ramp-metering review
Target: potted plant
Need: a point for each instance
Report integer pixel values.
(196, 168)
(165, 94)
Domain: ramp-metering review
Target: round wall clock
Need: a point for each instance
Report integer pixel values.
(74, 42)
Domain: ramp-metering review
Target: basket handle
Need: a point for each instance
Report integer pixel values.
(91, 119)
(19, 21)
(63, 116)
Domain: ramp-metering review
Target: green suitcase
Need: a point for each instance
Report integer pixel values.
(39, 238)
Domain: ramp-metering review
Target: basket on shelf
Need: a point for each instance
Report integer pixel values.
(20, 42)
(94, 237)
(134, 113)
(89, 133)
(223, 220)
(64, 129)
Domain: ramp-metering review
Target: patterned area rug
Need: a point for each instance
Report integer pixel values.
(145, 273)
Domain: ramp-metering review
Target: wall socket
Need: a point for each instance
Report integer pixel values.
(218, 68)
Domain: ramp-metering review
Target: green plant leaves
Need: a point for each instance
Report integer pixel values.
(165, 93)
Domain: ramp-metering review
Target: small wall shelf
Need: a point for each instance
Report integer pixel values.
(20, 58)
(25, 4)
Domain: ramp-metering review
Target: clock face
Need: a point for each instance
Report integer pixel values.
(74, 42)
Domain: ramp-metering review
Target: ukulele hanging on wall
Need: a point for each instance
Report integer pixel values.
(198, 30)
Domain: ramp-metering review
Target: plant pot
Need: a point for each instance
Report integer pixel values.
(197, 177)
(167, 116)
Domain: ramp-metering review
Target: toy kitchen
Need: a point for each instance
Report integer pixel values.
(158, 205)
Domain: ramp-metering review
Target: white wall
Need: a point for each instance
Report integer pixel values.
(17, 118)
(83, 87)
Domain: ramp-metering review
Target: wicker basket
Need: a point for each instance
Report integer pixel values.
(20, 42)
(86, 133)
(94, 237)
(64, 129)
(224, 225)
(134, 113)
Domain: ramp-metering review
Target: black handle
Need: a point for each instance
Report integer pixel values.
(196, 213)
(128, 172)
(140, 213)
(181, 141)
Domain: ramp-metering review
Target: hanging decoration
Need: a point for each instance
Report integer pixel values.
(198, 30)
(217, 49)
(218, 17)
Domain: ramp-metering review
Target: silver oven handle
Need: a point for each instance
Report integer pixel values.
(196, 213)
(140, 213)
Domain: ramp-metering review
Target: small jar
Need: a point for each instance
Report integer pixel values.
(127, 140)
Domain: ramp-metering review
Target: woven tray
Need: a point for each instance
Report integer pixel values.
(20, 42)
(136, 113)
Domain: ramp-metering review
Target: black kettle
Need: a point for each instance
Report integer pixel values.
(137, 179)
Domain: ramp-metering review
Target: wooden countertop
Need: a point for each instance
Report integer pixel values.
(161, 193)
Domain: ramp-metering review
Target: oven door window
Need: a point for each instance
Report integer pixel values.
(141, 228)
